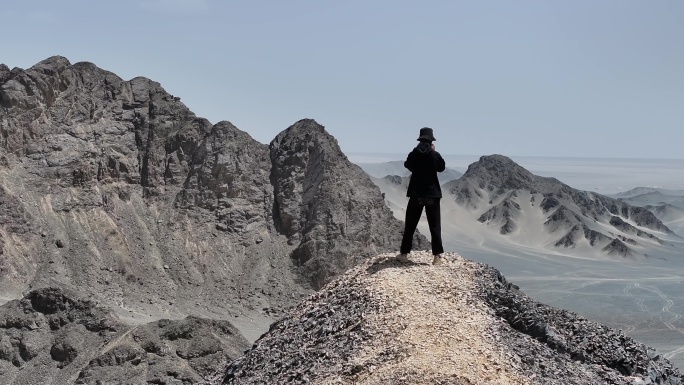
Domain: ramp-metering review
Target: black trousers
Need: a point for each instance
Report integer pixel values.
(413, 212)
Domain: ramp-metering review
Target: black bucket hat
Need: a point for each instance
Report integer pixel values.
(426, 134)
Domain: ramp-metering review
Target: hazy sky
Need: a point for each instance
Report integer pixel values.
(594, 78)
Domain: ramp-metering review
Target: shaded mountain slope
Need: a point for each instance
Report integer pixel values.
(512, 201)
(462, 323)
(671, 216)
(396, 167)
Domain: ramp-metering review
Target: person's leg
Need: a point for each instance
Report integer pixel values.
(413, 212)
(434, 221)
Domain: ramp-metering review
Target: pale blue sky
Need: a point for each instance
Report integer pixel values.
(539, 78)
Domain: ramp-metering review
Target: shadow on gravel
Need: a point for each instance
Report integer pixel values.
(391, 263)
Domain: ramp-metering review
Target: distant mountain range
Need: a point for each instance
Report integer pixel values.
(666, 205)
(543, 212)
(648, 196)
(507, 195)
(396, 167)
(641, 191)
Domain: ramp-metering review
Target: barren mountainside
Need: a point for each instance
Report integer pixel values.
(509, 199)
(123, 173)
(116, 191)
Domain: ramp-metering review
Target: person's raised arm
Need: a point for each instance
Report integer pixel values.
(410, 162)
(439, 161)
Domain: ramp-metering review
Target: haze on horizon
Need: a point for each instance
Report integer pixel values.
(529, 78)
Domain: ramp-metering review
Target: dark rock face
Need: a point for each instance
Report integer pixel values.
(331, 220)
(503, 214)
(618, 247)
(568, 337)
(47, 331)
(228, 175)
(394, 179)
(4, 73)
(325, 337)
(165, 351)
(495, 183)
(53, 335)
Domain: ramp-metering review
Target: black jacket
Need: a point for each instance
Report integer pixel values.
(424, 164)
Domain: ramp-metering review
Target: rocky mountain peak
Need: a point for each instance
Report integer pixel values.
(52, 66)
(501, 171)
(4, 73)
(303, 126)
(495, 161)
(306, 136)
(332, 221)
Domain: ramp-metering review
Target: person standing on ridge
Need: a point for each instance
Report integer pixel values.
(423, 192)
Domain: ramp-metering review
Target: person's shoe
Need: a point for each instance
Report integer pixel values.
(403, 258)
(438, 260)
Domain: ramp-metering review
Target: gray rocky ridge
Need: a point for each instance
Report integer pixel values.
(115, 190)
(461, 323)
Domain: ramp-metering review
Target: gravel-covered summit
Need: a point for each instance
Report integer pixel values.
(461, 323)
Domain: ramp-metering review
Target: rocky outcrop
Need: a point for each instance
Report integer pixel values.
(503, 214)
(166, 352)
(502, 192)
(547, 334)
(54, 336)
(229, 176)
(396, 167)
(327, 206)
(397, 180)
(461, 323)
(50, 328)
